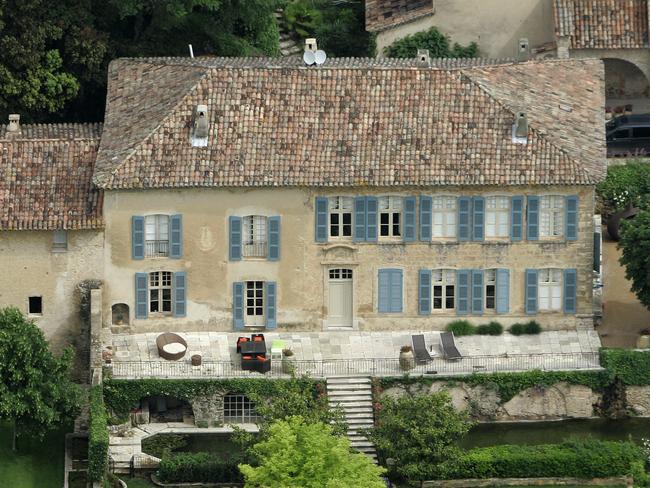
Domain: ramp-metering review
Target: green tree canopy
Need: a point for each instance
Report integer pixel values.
(635, 244)
(419, 433)
(438, 44)
(296, 454)
(36, 390)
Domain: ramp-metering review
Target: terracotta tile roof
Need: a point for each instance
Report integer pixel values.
(350, 124)
(602, 24)
(384, 14)
(46, 178)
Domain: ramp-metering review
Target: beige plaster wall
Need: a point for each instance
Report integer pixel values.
(30, 268)
(495, 25)
(302, 270)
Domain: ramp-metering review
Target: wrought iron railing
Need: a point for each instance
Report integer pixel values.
(361, 366)
(154, 249)
(254, 249)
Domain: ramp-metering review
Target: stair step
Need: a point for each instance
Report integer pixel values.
(349, 379)
(340, 393)
(349, 387)
(360, 415)
(355, 410)
(351, 405)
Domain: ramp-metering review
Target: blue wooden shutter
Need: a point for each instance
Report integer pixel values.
(238, 305)
(425, 218)
(464, 218)
(322, 208)
(371, 219)
(478, 227)
(477, 291)
(531, 291)
(516, 218)
(463, 284)
(180, 294)
(359, 219)
(273, 238)
(271, 307)
(571, 219)
(597, 240)
(570, 290)
(383, 291)
(137, 237)
(503, 290)
(141, 295)
(396, 294)
(235, 239)
(409, 219)
(176, 236)
(424, 292)
(532, 219)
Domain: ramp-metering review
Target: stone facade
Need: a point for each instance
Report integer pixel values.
(208, 410)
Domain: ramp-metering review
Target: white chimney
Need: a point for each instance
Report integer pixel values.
(310, 45)
(14, 123)
(200, 126)
(520, 127)
(423, 57)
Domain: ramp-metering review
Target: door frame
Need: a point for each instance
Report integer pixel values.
(326, 296)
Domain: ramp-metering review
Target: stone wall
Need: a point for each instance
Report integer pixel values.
(208, 410)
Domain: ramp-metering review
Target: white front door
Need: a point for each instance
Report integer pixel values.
(340, 298)
(254, 303)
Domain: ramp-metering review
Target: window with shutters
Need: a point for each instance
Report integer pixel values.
(551, 216)
(160, 292)
(156, 236)
(497, 217)
(254, 236)
(490, 278)
(340, 210)
(254, 304)
(390, 216)
(549, 289)
(443, 287)
(444, 211)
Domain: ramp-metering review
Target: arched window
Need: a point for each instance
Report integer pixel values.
(120, 314)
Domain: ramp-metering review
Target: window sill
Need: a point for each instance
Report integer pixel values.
(59, 249)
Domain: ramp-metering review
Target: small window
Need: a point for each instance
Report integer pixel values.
(390, 213)
(35, 306)
(340, 209)
(490, 289)
(60, 240)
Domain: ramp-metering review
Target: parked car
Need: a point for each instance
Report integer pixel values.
(628, 135)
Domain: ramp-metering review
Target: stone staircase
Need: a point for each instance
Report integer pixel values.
(288, 46)
(354, 395)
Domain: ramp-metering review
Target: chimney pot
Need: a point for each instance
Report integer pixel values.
(14, 123)
(310, 45)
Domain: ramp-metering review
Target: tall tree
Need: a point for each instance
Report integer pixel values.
(635, 244)
(36, 389)
(296, 454)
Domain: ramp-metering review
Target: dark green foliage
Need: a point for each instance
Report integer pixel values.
(342, 32)
(461, 328)
(625, 184)
(530, 327)
(97, 436)
(492, 328)
(162, 445)
(635, 244)
(438, 44)
(199, 467)
(301, 18)
(631, 367)
(574, 458)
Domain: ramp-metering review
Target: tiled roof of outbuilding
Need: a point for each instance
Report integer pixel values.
(349, 123)
(384, 14)
(602, 24)
(46, 178)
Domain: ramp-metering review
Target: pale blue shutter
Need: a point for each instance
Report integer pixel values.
(137, 237)
(516, 218)
(570, 290)
(383, 291)
(396, 294)
(238, 305)
(503, 290)
(271, 307)
(359, 219)
(141, 295)
(176, 236)
(322, 208)
(478, 227)
(273, 238)
(180, 294)
(571, 219)
(531, 291)
(464, 218)
(371, 219)
(425, 218)
(463, 284)
(409, 219)
(424, 292)
(532, 219)
(477, 291)
(234, 238)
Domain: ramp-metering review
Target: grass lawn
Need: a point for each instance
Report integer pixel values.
(36, 464)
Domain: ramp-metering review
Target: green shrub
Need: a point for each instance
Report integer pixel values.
(575, 459)
(631, 367)
(516, 329)
(199, 467)
(530, 327)
(437, 43)
(97, 436)
(492, 328)
(162, 445)
(461, 328)
(626, 183)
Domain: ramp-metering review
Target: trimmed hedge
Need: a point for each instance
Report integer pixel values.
(199, 467)
(492, 328)
(97, 436)
(630, 366)
(461, 328)
(575, 459)
(530, 327)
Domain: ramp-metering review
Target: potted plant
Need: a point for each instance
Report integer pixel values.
(288, 361)
(406, 358)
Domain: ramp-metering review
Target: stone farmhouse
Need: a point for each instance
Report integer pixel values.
(230, 194)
